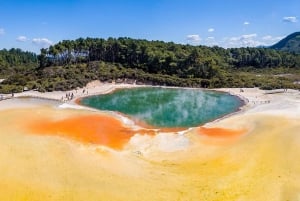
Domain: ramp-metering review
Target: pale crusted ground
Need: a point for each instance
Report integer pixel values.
(261, 164)
(92, 88)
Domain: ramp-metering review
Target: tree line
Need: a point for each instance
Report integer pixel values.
(73, 63)
(161, 57)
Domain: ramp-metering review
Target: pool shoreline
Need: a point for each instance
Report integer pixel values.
(241, 102)
(96, 88)
(249, 97)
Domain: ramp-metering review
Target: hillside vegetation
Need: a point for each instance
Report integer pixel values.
(73, 63)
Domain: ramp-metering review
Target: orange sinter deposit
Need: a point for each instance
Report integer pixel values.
(53, 154)
(95, 129)
(220, 132)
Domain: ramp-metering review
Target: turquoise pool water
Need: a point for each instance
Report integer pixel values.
(167, 107)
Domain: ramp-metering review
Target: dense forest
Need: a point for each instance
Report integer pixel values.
(73, 63)
(161, 57)
(16, 60)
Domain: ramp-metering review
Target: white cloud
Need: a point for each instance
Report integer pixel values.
(270, 40)
(211, 41)
(211, 30)
(2, 32)
(250, 40)
(247, 40)
(42, 42)
(291, 19)
(193, 38)
(248, 36)
(22, 39)
(267, 37)
(246, 23)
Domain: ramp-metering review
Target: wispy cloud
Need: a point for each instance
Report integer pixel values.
(2, 32)
(246, 23)
(193, 38)
(211, 30)
(250, 40)
(291, 19)
(42, 42)
(22, 39)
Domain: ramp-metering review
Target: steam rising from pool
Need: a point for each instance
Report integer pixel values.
(167, 107)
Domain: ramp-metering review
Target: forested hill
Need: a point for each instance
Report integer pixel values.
(16, 60)
(161, 57)
(291, 43)
(73, 63)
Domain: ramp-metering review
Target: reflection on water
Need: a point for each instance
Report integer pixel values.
(167, 107)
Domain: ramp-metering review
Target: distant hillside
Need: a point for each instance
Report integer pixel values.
(291, 43)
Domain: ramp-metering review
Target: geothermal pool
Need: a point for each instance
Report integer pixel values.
(55, 153)
(167, 107)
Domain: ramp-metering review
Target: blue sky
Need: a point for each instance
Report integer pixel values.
(33, 24)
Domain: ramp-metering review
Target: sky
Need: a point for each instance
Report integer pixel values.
(35, 24)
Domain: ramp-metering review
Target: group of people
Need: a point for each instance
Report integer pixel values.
(261, 102)
(85, 91)
(70, 95)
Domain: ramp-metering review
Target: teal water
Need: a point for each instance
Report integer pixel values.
(167, 107)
